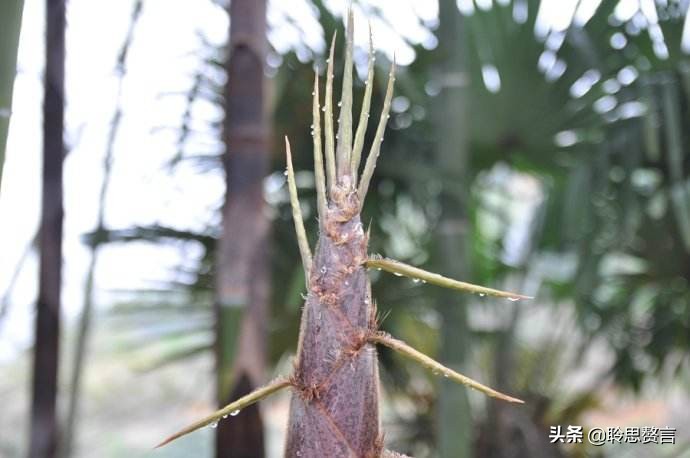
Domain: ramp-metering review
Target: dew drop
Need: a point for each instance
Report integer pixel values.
(513, 299)
(445, 374)
(312, 126)
(482, 294)
(415, 280)
(340, 104)
(234, 413)
(323, 109)
(397, 274)
(285, 172)
(225, 416)
(214, 424)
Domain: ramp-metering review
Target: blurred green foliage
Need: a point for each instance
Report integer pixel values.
(590, 120)
(10, 24)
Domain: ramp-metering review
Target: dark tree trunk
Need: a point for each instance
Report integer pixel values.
(242, 270)
(44, 429)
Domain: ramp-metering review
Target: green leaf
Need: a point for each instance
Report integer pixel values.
(10, 24)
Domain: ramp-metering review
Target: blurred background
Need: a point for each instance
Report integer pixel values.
(535, 146)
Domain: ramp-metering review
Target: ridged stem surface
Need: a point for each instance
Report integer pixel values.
(334, 407)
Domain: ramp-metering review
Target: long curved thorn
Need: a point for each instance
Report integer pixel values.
(370, 164)
(231, 409)
(328, 119)
(364, 114)
(436, 367)
(318, 156)
(302, 241)
(399, 268)
(344, 147)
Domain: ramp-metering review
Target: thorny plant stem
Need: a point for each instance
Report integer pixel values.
(321, 199)
(436, 367)
(345, 104)
(302, 240)
(231, 409)
(398, 268)
(364, 114)
(339, 329)
(328, 121)
(370, 164)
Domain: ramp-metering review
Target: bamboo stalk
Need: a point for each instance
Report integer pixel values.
(10, 24)
(44, 435)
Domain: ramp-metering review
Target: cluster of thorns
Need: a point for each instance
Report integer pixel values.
(346, 193)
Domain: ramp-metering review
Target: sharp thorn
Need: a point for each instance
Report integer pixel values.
(321, 199)
(302, 240)
(370, 164)
(344, 148)
(328, 119)
(399, 268)
(436, 367)
(231, 409)
(364, 114)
